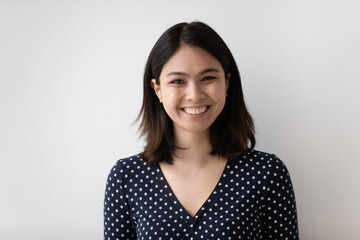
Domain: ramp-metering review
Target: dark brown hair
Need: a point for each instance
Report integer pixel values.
(233, 129)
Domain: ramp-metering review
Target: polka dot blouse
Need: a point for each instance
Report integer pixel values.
(254, 199)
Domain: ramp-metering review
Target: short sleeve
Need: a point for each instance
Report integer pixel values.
(280, 215)
(117, 218)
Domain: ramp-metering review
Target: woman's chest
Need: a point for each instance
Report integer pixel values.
(233, 208)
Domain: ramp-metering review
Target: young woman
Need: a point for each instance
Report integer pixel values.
(198, 176)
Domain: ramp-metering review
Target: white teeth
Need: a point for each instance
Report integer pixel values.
(195, 111)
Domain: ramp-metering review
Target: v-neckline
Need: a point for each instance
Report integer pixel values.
(169, 193)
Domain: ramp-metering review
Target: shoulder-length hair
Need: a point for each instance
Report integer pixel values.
(231, 132)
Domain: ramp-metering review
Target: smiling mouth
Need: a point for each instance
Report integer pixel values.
(195, 110)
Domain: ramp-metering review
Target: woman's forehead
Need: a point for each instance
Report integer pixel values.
(190, 59)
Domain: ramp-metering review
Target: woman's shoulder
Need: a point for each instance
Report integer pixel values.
(131, 160)
(130, 166)
(262, 167)
(255, 159)
(253, 154)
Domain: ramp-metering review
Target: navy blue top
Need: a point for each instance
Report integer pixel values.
(254, 199)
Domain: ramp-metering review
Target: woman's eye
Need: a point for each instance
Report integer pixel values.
(208, 78)
(177, 81)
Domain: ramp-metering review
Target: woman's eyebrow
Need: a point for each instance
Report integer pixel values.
(200, 73)
(177, 74)
(209, 70)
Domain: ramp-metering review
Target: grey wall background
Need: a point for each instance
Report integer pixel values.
(70, 87)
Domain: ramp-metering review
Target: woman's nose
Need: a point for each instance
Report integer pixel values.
(194, 92)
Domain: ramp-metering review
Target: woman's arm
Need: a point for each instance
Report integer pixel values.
(280, 215)
(117, 218)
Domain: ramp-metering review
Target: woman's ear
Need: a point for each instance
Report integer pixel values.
(156, 88)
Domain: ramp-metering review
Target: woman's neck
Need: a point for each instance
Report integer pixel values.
(197, 148)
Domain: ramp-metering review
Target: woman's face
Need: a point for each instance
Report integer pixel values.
(192, 89)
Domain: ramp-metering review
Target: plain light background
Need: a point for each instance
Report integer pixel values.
(71, 86)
